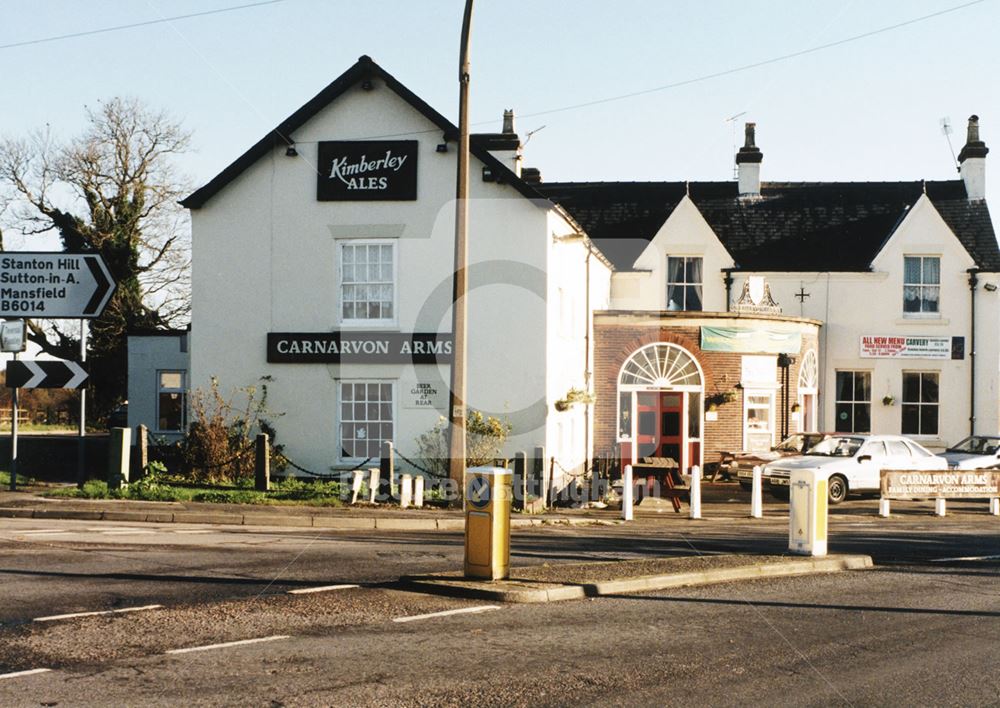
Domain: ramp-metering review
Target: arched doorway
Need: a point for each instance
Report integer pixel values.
(661, 405)
(808, 392)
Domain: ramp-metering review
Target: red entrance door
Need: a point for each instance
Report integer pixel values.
(671, 407)
(658, 425)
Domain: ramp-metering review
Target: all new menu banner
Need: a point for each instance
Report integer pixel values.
(908, 347)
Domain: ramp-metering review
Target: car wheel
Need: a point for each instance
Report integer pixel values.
(837, 489)
(780, 493)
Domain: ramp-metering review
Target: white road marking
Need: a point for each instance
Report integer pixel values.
(325, 588)
(127, 532)
(460, 611)
(29, 672)
(40, 532)
(192, 530)
(53, 618)
(228, 644)
(965, 558)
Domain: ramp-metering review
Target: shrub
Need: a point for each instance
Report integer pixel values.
(484, 439)
(219, 445)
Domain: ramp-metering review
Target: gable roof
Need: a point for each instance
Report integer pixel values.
(792, 226)
(364, 69)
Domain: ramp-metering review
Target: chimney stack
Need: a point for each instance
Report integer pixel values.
(508, 122)
(748, 161)
(972, 162)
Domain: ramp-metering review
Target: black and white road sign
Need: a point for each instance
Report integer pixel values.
(54, 285)
(45, 374)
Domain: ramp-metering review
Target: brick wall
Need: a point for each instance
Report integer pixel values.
(615, 343)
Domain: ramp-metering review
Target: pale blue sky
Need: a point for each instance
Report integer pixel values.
(865, 110)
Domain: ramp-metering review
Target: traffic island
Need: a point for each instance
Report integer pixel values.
(549, 583)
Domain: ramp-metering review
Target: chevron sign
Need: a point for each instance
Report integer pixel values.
(45, 374)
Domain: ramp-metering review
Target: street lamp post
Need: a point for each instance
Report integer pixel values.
(459, 311)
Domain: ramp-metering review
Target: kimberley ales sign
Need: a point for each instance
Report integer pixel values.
(950, 484)
(359, 348)
(367, 170)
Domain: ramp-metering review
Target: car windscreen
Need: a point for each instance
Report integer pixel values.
(795, 443)
(977, 445)
(837, 447)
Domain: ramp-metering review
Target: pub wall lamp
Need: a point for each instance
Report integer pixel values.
(290, 151)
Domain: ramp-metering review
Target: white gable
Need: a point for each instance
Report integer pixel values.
(684, 233)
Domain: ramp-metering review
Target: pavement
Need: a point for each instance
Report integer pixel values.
(30, 504)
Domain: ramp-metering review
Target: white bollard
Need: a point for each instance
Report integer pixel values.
(695, 493)
(627, 494)
(418, 491)
(807, 513)
(405, 491)
(883, 508)
(939, 507)
(373, 474)
(357, 479)
(995, 507)
(756, 494)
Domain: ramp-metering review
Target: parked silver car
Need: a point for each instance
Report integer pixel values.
(976, 452)
(853, 463)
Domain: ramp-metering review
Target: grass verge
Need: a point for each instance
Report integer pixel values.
(289, 492)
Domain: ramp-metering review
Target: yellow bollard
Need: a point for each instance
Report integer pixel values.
(488, 494)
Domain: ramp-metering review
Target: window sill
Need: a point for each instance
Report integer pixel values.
(925, 321)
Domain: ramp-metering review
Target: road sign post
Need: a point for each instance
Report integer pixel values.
(55, 285)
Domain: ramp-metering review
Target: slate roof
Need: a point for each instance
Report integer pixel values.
(792, 226)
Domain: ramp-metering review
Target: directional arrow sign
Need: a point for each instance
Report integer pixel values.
(54, 285)
(45, 374)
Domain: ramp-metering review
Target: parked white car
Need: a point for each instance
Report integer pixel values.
(853, 463)
(977, 452)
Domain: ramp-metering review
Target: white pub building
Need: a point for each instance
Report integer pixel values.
(700, 317)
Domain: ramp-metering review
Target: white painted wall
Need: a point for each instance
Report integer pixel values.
(265, 261)
(854, 304)
(571, 303)
(684, 233)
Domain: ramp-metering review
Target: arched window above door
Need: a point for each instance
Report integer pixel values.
(661, 366)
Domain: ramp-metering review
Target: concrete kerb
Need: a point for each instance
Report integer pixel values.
(521, 592)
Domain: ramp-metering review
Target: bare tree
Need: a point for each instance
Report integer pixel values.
(111, 190)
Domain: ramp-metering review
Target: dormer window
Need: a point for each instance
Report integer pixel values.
(921, 286)
(684, 282)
